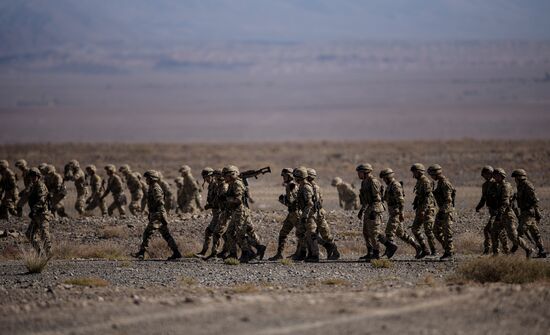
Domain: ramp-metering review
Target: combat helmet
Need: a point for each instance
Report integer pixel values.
(34, 172)
(336, 181)
(311, 173)
(21, 163)
(300, 173)
(152, 175)
(4, 164)
(487, 169)
(110, 168)
(386, 172)
(124, 168)
(74, 163)
(500, 171)
(42, 167)
(49, 169)
(185, 169)
(91, 168)
(207, 171)
(286, 172)
(230, 170)
(519, 173)
(366, 167)
(418, 167)
(435, 170)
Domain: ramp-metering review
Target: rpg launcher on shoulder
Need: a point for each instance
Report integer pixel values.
(245, 175)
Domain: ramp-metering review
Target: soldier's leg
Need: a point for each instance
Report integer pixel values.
(373, 227)
(165, 232)
(44, 232)
(102, 206)
(121, 208)
(428, 230)
(510, 224)
(147, 233)
(80, 203)
(30, 233)
(402, 234)
(287, 227)
(112, 207)
(496, 231)
(209, 231)
(530, 225)
(487, 235)
(391, 226)
(438, 228)
(323, 227)
(447, 233)
(416, 230)
(230, 244)
(366, 236)
(311, 239)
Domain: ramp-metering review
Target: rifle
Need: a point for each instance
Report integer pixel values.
(249, 174)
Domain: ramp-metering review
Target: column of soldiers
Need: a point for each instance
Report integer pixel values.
(513, 216)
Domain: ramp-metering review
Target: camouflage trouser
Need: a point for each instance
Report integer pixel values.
(39, 230)
(117, 204)
(143, 201)
(424, 219)
(237, 231)
(95, 201)
(443, 230)
(306, 231)
(487, 238)
(57, 206)
(135, 203)
(372, 221)
(189, 206)
(394, 228)
(507, 222)
(168, 203)
(80, 203)
(323, 228)
(7, 208)
(158, 222)
(210, 229)
(291, 221)
(220, 231)
(528, 224)
(350, 204)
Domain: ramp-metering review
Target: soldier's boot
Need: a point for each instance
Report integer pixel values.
(375, 255)
(446, 255)
(335, 253)
(246, 256)
(514, 247)
(260, 250)
(541, 253)
(61, 212)
(175, 255)
(140, 254)
(433, 251)
(528, 252)
(279, 254)
(391, 248)
(368, 255)
(204, 247)
(313, 250)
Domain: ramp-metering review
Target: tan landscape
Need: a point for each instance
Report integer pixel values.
(93, 285)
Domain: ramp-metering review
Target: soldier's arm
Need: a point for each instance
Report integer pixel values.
(308, 201)
(448, 194)
(108, 188)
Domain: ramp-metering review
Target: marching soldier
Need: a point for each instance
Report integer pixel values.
(157, 217)
(96, 188)
(180, 195)
(371, 195)
(57, 190)
(488, 198)
(424, 206)
(444, 195)
(505, 217)
(208, 176)
(528, 204)
(21, 164)
(8, 191)
(134, 186)
(291, 220)
(191, 196)
(219, 209)
(114, 186)
(347, 198)
(323, 228)
(307, 228)
(74, 172)
(38, 229)
(395, 199)
(168, 196)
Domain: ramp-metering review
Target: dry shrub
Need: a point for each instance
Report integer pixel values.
(335, 282)
(381, 263)
(188, 281)
(469, 243)
(113, 232)
(158, 248)
(506, 269)
(106, 250)
(428, 280)
(231, 261)
(87, 281)
(34, 261)
(286, 261)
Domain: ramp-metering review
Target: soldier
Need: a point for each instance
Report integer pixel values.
(96, 188)
(74, 172)
(371, 196)
(347, 198)
(219, 208)
(168, 196)
(180, 195)
(114, 186)
(488, 198)
(39, 214)
(191, 199)
(208, 177)
(8, 191)
(444, 195)
(134, 186)
(291, 220)
(424, 206)
(157, 217)
(23, 167)
(395, 199)
(505, 218)
(144, 190)
(57, 190)
(528, 204)
(307, 228)
(323, 228)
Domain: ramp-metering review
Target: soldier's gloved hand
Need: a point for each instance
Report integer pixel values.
(478, 208)
(360, 214)
(282, 199)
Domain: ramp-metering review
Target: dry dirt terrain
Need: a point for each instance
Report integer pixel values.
(93, 286)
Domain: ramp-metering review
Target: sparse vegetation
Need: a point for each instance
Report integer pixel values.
(113, 232)
(381, 263)
(87, 281)
(231, 261)
(244, 288)
(469, 243)
(188, 281)
(286, 261)
(512, 270)
(335, 282)
(106, 250)
(34, 261)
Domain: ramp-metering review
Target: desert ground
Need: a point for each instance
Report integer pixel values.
(93, 286)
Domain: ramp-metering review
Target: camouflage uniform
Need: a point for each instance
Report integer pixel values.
(506, 218)
(114, 186)
(307, 227)
(157, 217)
(23, 195)
(168, 196)
(38, 229)
(180, 196)
(208, 175)
(57, 191)
(144, 190)
(220, 214)
(529, 210)
(424, 205)
(96, 185)
(74, 172)
(395, 199)
(370, 197)
(134, 186)
(191, 198)
(347, 198)
(8, 192)
(488, 198)
(444, 196)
